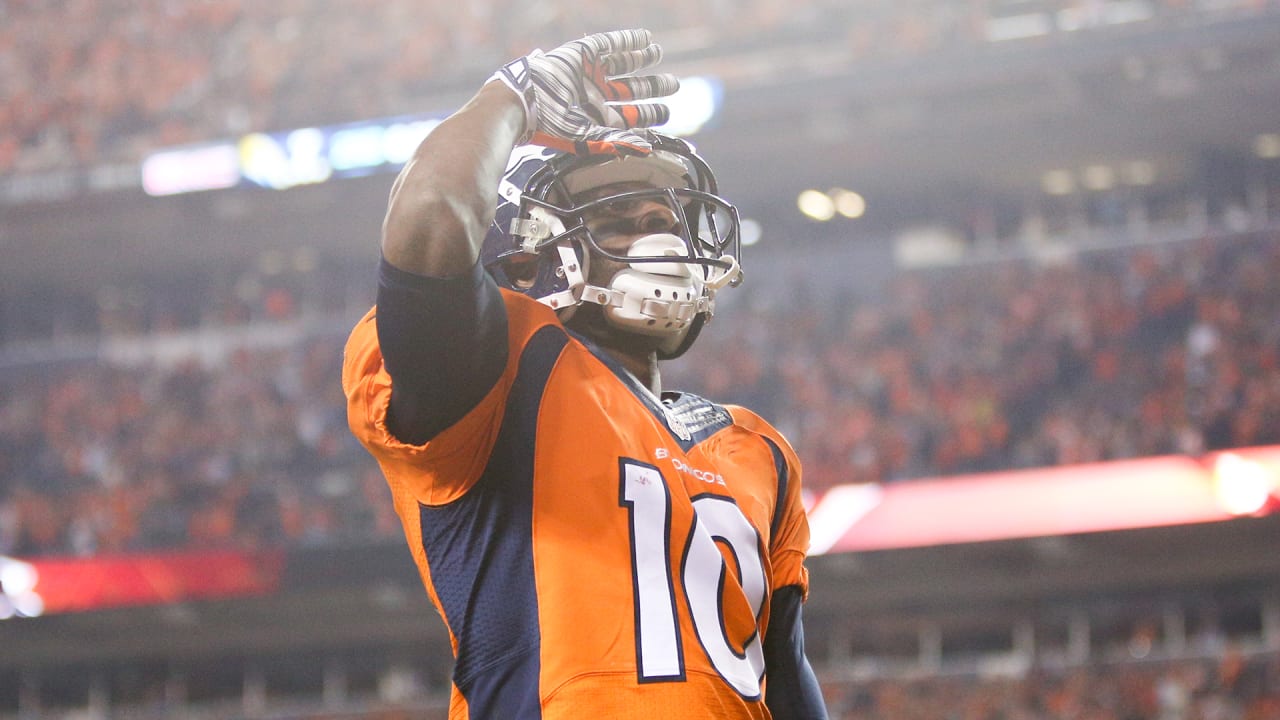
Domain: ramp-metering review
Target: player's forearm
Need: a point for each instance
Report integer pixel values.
(444, 199)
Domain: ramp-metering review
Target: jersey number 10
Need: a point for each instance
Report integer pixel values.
(703, 572)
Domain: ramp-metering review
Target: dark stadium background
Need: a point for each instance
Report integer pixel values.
(1005, 134)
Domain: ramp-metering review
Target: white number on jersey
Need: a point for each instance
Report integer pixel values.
(703, 570)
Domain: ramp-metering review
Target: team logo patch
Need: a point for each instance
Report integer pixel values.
(677, 425)
(695, 415)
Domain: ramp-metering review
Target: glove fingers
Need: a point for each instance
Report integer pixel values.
(643, 87)
(583, 94)
(623, 62)
(616, 41)
(642, 115)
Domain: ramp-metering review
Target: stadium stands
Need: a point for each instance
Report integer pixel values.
(1233, 686)
(198, 410)
(1163, 349)
(1166, 348)
(98, 81)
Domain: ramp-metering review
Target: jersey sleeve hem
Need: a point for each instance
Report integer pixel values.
(445, 467)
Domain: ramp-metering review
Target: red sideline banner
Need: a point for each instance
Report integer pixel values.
(60, 585)
(1119, 495)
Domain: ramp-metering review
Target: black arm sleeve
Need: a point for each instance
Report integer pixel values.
(444, 343)
(792, 691)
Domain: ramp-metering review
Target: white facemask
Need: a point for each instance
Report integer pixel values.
(658, 299)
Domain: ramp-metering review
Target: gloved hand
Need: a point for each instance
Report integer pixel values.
(579, 98)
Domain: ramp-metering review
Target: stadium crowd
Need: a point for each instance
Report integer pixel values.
(254, 453)
(92, 77)
(98, 81)
(1228, 684)
(1230, 687)
(222, 439)
(1169, 348)
(1166, 349)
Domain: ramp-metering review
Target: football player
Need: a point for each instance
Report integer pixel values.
(596, 547)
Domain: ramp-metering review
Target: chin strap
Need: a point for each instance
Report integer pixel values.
(662, 300)
(731, 277)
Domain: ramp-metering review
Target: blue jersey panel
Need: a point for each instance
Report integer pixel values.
(480, 551)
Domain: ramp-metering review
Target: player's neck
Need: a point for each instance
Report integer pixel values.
(644, 366)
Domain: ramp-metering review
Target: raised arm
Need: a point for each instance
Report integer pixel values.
(441, 321)
(444, 199)
(577, 98)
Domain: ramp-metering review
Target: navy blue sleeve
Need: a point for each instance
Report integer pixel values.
(444, 343)
(792, 691)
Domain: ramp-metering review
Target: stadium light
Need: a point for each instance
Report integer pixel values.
(1243, 486)
(28, 604)
(848, 203)
(751, 231)
(18, 577)
(692, 106)
(18, 596)
(816, 205)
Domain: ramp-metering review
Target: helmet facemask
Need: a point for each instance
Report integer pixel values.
(663, 285)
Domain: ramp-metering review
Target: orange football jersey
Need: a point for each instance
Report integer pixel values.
(594, 551)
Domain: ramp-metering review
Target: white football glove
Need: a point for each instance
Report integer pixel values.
(580, 97)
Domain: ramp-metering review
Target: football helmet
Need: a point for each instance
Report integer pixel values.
(542, 242)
